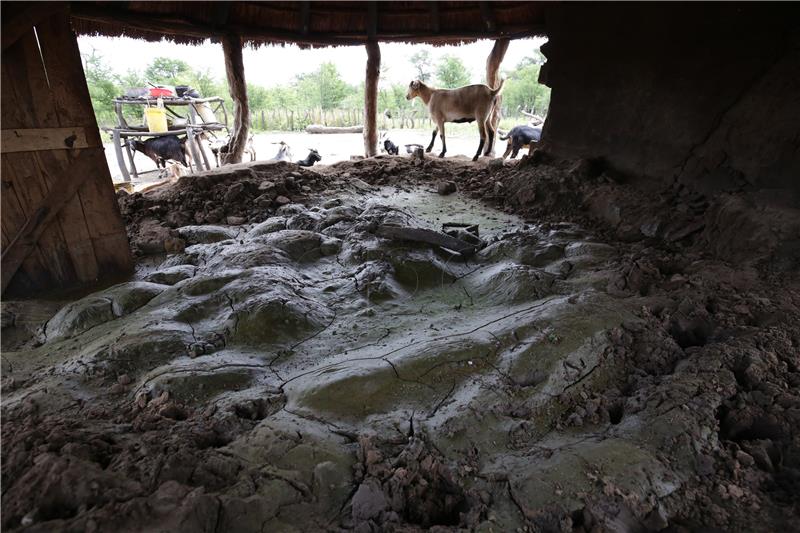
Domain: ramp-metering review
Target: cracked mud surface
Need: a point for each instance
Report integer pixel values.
(296, 371)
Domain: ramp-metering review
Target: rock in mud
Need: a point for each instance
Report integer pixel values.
(206, 234)
(446, 187)
(270, 225)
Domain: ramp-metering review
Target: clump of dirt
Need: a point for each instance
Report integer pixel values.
(407, 481)
(229, 195)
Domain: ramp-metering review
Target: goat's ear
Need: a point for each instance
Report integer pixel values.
(414, 84)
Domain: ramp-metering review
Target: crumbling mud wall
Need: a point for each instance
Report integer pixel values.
(707, 95)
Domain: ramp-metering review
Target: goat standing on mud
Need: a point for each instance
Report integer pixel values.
(465, 104)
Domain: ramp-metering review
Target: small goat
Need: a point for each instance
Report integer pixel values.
(520, 137)
(312, 157)
(284, 152)
(465, 104)
(218, 148)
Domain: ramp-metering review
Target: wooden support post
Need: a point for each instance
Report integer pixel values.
(492, 79)
(234, 70)
(371, 99)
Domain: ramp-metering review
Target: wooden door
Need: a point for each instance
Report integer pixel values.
(61, 224)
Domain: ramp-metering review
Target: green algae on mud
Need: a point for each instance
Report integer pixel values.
(308, 374)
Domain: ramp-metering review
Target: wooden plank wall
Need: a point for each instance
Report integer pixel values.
(43, 88)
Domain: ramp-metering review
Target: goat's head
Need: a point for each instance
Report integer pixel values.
(413, 89)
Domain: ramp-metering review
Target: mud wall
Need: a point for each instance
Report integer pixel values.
(705, 94)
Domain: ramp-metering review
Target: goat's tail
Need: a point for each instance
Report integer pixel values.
(499, 88)
(506, 137)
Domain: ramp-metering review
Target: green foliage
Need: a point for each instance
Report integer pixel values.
(323, 88)
(451, 72)
(166, 71)
(102, 83)
(422, 64)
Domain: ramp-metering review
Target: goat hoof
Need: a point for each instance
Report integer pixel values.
(441, 155)
(474, 158)
(428, 150)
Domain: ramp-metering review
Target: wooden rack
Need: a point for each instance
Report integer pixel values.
(195, 126)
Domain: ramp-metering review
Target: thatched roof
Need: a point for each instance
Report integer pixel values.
(310, 23)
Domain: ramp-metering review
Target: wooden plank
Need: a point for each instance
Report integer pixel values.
(19, 18)
(62, 61)
(37, 139)
(38, 220)
(101, 212)
(47, 240)
(14, 218)
(70, 218)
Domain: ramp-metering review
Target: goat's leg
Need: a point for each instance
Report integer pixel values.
(508, 150)
(482, 132)
(444, 143)
(490, 134)
(433, 138)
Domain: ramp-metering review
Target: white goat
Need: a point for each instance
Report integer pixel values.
(465, 104)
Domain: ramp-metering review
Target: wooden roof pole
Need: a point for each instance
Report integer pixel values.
(371, 99)
(234, 70)
(492, 79)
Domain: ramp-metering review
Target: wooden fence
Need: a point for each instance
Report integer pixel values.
(297, 120)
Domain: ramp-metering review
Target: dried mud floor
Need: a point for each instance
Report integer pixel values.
(600, 363)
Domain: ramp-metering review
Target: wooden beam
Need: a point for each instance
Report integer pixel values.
(222, 11)
(435, 17)
(234, 70)
(488, 16)
(305, 17)
(372, 21)
(371, 99)
(28, 235)
(15, 25)
(35, 140)
(492, 74)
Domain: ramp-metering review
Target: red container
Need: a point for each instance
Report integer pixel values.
(155, 92)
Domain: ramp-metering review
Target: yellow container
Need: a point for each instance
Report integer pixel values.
(156, 119)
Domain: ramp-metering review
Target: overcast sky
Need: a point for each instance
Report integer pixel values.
(275, 65)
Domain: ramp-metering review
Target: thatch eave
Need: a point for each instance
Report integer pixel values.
(310, 24)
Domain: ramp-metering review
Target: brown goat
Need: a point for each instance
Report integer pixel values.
(465, 104)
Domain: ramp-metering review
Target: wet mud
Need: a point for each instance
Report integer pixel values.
(341, 349)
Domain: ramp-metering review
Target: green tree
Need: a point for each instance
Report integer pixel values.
(322, 88)
(166, 71)
(103, 87)
(451, 72)
(524, 90)
(422, 64)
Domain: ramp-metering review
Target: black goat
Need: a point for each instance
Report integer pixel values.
(390, 147)
(312, 157)
(160, 149)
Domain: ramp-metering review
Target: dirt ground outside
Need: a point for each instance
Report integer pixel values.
(332, 147)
